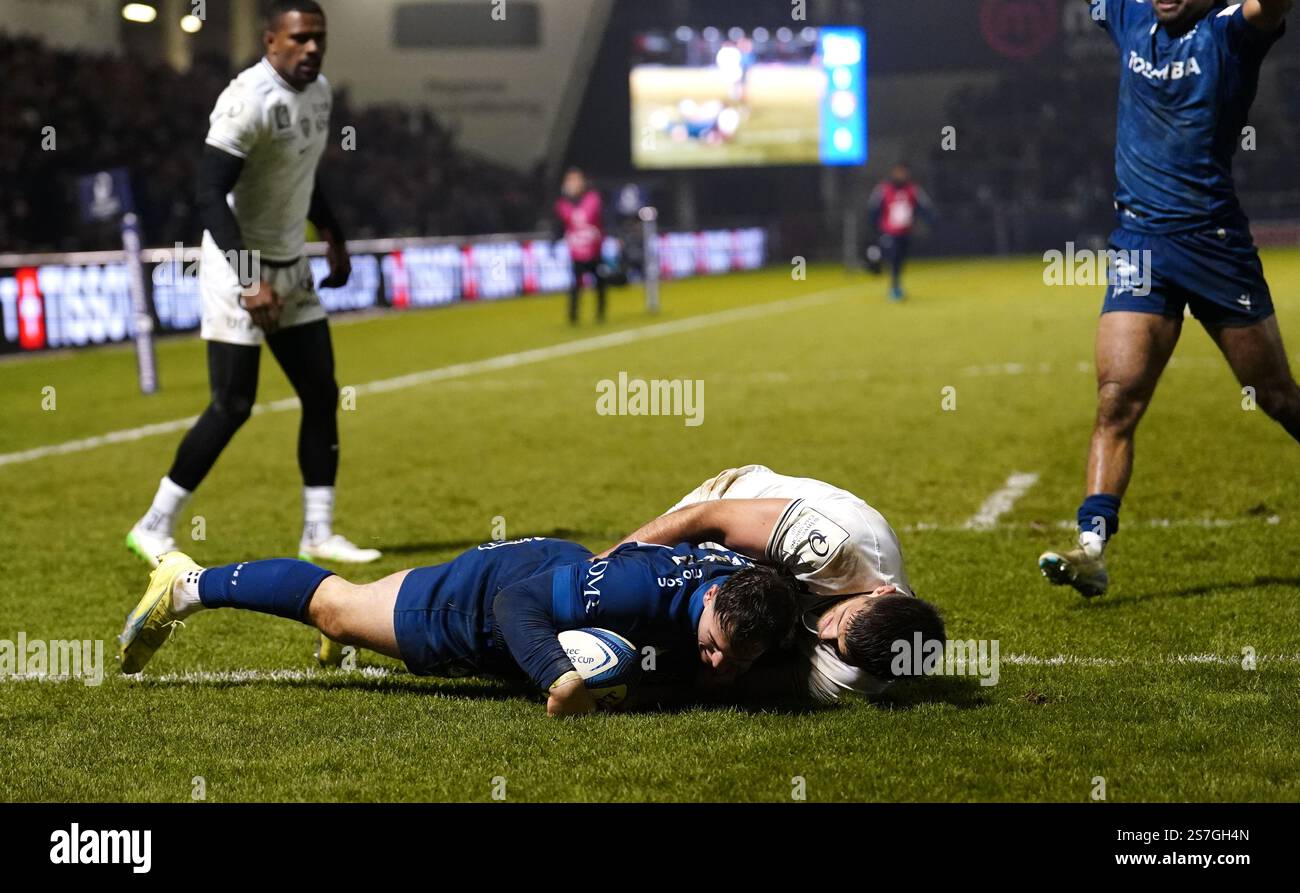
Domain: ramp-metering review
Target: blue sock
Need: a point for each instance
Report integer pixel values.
(279, 586)
(1099, 514)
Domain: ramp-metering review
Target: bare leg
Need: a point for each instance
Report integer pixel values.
(1259, 361)
(1132, 352)
(358, 615)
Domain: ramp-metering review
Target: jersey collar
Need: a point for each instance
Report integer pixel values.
(276, 76)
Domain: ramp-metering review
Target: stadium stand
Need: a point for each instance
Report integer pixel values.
(114, 111)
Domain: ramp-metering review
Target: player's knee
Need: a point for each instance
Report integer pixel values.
(1279, 400)
(1120, 405)
(232, 409)
(322, 398)
(328, 610)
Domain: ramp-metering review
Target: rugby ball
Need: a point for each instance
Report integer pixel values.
(606, 661)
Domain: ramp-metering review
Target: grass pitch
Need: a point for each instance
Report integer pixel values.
(1144, 688)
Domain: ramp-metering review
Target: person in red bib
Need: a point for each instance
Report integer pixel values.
(893, 209)
(581, 213)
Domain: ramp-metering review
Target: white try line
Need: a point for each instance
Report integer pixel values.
(461, 370)
(1161, 523)
(380, 674)
(1080, 366)
(1178, 660)
(229, 677)
(1001, 501)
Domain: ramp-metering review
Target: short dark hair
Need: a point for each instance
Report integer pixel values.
(275, 9)
(888, 619)
(757, 608)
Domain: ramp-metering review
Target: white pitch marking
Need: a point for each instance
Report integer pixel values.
(1207, 523)
(460, 370)
(1002, 500)
(243, 676)
(1074, 660)
(247, 677)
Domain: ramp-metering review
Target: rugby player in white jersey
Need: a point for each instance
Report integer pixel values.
(258, 188)
(857, 601)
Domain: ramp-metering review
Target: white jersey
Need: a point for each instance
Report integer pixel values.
(281, 134)
(834, 543)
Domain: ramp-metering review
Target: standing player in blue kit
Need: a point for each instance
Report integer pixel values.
(1190, 74)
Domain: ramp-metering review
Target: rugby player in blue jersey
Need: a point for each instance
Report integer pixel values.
(1190, 74)
(497, 610)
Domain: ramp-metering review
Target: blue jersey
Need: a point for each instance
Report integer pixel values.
(498, 607)
(651, 595)
(1183, 103)
(443, 615)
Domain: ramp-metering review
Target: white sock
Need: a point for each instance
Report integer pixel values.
(185, 593)
(317, 514)
(1092, 543)
(167, 504)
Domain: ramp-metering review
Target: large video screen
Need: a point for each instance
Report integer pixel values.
(713, 98)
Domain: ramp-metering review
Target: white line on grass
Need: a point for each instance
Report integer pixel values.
(1075, 660)
(249, 677)
(460, 370)
(240, 676)
(1013, 368)
(1001, 501)
(1161, 523)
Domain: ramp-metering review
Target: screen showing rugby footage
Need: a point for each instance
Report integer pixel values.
(709, 98)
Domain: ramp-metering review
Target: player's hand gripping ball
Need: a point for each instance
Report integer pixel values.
(607, 662)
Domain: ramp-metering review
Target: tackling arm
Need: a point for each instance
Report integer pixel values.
(742, 525)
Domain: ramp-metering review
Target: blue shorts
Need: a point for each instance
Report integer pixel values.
(1215, 272)
(443, 615)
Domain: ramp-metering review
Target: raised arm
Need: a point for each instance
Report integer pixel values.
(1266, 15)
(742, 525)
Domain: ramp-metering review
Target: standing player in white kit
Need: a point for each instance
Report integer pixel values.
(257, 190)
(857, 602)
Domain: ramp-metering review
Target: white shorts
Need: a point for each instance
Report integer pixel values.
(220, 293)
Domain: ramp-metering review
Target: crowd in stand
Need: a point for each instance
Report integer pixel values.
(1044, 142)
(66, 114)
